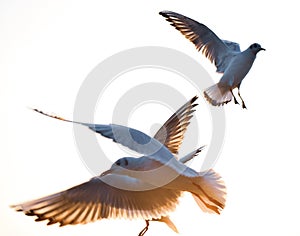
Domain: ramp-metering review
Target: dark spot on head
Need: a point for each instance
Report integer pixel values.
(122, 162)
(118, 162)
(254, 46)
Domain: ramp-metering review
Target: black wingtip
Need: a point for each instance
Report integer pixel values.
(52, 116)
(194, 98)
(162, 13)
(200, 149)
(169, 14)
(166, 14)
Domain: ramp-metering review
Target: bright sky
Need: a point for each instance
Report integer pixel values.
(47, 48)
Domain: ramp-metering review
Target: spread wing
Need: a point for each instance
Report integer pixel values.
(128, 137)
(171, 134)
(136, 141)
(217, 51)
(98, 199)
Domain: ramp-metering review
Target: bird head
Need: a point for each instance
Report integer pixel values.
(122, 166)
(132, 166)
(255, 48)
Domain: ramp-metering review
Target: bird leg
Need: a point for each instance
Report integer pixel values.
(235, 101)
(243, 103)
(144, 230)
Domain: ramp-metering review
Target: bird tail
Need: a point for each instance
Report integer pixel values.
(211, 192)
(218, 94)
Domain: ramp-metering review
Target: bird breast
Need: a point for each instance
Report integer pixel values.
(238, 69)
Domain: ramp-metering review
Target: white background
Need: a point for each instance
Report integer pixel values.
(47, 48)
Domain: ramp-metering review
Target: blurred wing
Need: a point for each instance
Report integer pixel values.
(203, 38)
(96, 200)
(172, 132)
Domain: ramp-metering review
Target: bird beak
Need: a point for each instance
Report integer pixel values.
(263, 49)
(106, 172)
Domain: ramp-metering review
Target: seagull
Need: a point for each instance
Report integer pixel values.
(171, 134)
(233, 63)
(146, 188)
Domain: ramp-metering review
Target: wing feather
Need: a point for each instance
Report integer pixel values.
(171, 134)
(143, 143)
(96, 200)
(205, 40)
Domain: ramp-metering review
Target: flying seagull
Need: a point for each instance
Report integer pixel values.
(171, 134)
(132, 187)
(226, 55)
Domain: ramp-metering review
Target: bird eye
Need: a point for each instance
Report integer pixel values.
(118, 162)
(255, 45)
(122, 162)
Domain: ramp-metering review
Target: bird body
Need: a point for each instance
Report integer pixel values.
(238, 68)
(155, 174)
(226, 56)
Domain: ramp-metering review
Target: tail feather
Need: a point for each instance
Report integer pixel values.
(218, 94)
(211, 194)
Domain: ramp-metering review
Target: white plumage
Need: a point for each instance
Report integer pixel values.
(226, 55)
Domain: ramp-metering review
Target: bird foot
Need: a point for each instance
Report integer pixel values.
(144, 230)
(235, 101)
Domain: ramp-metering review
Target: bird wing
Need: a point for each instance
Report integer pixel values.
(98, 199)
(232, 45)
(217, 51)
(128, 137)
(191, 155)
(166, 141)
(171, 134)
(143, 144)
(136, 141)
